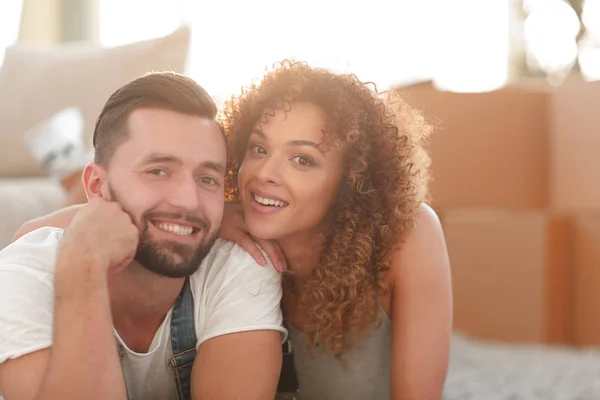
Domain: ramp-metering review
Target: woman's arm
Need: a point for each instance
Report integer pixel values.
(58, 219)
(233, 228)
(421, 312)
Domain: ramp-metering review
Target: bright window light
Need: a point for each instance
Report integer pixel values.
(589, 53)
(550, 32)
(128, 21)
(462, 44)
(10, 17)
(472, 52)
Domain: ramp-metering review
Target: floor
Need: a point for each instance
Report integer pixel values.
(498, 371)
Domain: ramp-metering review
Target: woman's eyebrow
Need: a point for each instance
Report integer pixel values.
(291, 143)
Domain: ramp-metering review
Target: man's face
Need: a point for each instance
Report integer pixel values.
(169, 177)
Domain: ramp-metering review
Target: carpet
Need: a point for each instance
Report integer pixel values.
(484, 370)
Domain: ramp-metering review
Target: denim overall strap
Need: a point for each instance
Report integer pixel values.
(183, 341)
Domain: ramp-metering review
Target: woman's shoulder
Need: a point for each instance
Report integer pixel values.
(425, 227)
(427, 222)
(421, 244)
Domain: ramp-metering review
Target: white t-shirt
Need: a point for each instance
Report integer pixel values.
(231, 292)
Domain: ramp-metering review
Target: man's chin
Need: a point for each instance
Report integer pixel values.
(171, 259)
(174, 273)
(170, 270)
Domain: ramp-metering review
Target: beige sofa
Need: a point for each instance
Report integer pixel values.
(38, 82)
(22, 199)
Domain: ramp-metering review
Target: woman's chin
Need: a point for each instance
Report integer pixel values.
(264, 233)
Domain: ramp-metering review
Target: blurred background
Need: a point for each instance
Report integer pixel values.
(512, 86)
(461, 45)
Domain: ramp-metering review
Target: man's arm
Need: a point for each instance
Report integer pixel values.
(243, 365)
(83, 360)
(239, 354)
(21, 378)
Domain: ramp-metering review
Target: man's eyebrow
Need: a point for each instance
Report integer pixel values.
(168, 158)
(262, 135)
(216, 166)
(158, 157)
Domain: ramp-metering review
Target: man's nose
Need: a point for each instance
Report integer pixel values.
(270, 171)
(184, 194)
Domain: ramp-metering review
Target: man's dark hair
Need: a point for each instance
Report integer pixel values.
(163, 90)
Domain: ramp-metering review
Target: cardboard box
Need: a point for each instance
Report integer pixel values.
(575, 146)
(488, 149)
(509, 274)
(584, 245)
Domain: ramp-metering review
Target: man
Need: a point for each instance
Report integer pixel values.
(117, 305)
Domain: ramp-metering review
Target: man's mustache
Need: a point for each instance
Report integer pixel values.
(191, 219)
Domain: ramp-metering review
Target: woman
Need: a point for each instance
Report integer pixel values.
(333, 180)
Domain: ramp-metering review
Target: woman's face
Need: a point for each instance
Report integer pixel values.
(288, 178)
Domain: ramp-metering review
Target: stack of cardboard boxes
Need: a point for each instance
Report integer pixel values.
(516, 183)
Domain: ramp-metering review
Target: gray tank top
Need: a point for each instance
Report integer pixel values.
(366, 377)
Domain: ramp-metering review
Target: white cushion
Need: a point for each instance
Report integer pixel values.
(36, 82)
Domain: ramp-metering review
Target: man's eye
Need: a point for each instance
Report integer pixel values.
(157, 172)
(209, 181)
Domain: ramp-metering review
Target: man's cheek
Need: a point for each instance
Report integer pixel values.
(217, 205)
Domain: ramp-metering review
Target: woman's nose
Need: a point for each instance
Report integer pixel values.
(270, 171)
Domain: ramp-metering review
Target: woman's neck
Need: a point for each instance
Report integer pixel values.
(302, 253)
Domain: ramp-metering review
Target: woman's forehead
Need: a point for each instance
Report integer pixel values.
(298, 121)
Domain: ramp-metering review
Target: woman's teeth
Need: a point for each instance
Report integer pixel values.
(174, 228)
(269, 202)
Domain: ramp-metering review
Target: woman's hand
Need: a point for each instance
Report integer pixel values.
(234, 228)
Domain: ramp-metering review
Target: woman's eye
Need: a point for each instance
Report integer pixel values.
(258, 149)
(304, 161)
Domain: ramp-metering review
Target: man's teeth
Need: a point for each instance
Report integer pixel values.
(174, 228)
(269, 202)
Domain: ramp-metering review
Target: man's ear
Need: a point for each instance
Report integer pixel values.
(94, 181)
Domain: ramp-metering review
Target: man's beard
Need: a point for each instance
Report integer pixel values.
(166, 258)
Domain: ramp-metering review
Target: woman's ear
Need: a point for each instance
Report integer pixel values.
(94, 181)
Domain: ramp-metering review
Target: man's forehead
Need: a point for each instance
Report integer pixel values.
(144, 120)
(190, 139)
(164, 124)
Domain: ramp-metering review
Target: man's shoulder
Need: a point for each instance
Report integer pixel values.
(228, 255)
(227, 260)
(36, 249)
(233, 293)
(229, 251)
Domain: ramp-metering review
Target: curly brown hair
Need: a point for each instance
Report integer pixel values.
(385, 182)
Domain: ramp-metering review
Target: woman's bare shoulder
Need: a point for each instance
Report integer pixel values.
(421, 245)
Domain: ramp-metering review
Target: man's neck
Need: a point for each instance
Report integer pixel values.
(140, 301)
